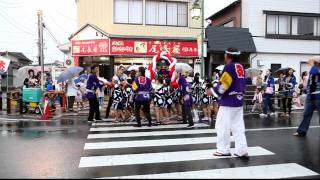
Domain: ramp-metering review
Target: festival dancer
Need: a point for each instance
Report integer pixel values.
(196, 95)
(142, 88)
(206, 99)
(230, 90)
(186, 99)
(313, 97)
(158, 99)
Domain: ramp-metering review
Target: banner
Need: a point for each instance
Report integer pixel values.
(152, 47)
(121, 46)
(4, 64)
(90, 47)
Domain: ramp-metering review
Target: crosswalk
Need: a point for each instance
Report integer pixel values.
(173, 151)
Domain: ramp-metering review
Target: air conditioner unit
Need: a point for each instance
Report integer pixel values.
(260, 63)
(197, 61)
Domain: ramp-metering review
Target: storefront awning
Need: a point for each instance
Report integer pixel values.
(222, 38)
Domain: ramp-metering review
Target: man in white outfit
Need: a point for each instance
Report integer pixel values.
(229, 90)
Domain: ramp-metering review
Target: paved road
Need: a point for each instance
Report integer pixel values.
(71, 148)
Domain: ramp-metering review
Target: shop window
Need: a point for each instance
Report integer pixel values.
(128, 11)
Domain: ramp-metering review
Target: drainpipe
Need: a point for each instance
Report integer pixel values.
(251, 59)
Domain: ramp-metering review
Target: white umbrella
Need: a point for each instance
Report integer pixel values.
(220, 68)
(183, 67)
(133, 68)
(21, 75)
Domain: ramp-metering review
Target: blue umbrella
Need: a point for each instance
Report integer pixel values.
(69, 73)
(82, 76)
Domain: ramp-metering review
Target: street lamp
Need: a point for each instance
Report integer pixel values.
(197, 12)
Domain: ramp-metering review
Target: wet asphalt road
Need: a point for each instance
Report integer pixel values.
(53, 149)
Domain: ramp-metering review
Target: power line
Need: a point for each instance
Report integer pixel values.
(11, 7)
(57, 24)
(61, 14)
(15, 24)
(51, 34)
(15, 33)
(13, 3)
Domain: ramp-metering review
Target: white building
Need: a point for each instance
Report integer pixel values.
(285, 33)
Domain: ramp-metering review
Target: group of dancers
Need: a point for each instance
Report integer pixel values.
(165, 100)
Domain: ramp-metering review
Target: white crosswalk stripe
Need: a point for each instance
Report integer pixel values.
(159, 133)
(110, 123)
(149, 143)
(149, 158)
(145, 128)
(159, 146)
(276, 171)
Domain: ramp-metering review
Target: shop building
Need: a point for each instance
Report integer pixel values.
(128, 32)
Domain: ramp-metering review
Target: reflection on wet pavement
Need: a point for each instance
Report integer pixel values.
(38, 129)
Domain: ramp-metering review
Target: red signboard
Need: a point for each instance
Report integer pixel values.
(134, 47)
(90, 47)
(152, 47)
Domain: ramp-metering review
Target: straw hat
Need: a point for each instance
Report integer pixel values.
(314, 59)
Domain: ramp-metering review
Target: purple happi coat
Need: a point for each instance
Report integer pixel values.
(231, 86)
(93, 84)
(142, 87)
(185, 91)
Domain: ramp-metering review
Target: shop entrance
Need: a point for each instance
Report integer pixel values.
(105, 65)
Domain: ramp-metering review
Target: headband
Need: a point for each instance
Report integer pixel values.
(233, 53)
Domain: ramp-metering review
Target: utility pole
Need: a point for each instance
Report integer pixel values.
(7, 56)
(40, 46)
(203, 72)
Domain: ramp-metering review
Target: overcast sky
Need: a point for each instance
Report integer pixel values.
(18, 19)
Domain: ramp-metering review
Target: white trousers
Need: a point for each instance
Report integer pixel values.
(230, 119)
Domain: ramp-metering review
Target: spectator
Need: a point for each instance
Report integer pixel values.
(269, 89)
(215, 75)
(83, 85)
(257, 100)
(79, 98)
(281, 83)
(259, 80)
(71, 93)
(101, 96)
(289, 88)
(303, 83)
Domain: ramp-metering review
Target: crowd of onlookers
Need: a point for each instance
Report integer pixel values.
(287, 91)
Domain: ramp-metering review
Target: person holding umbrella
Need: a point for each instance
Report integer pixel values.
(93, 84)
(313, 97)
(289, 88)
